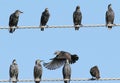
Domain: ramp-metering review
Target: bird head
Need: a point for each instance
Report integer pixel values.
(78, 7)
(38, 61)
(109, 6)
(14, 61)
(95, 66)
(57, 52)
(18, 12)
(46, 9)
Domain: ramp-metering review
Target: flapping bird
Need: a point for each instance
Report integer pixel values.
(77, 18)
(109, 16)
(94, 71)
(13, 72)
(37, 71)
(44, 18)
(60, 59)
(13, 20)
(66, 72)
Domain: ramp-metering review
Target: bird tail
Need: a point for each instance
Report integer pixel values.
(11, 30)
(74, 58)
(42, 29)
(77, 28)
(110, 27)
(14, 82)
(68, 81)
(37, 81)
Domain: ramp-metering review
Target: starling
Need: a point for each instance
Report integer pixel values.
(44, 18)
(60, 59)
(77, 18)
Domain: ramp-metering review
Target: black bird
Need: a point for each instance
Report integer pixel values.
(13, 20)
(37, 71)
(44, 18)
(110, 16)
(77, 18)
(94, 71)
(66, 72)
(13, 72)
(60, 59)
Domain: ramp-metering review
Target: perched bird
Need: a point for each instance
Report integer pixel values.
(44, 18)
(109, 16)
(13, 72)
(94, 71)
(13, 20)
(77, 18)
(60, 59)
(66, 72)
(37, 71)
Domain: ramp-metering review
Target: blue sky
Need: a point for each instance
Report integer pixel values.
(94, 46)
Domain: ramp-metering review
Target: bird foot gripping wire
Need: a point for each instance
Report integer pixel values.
(47, 26)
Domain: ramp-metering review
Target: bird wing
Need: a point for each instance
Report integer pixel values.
(106, 17)
(77, 17)
(63, 55)
(13, 20)
(74, 17)
(44, 18)
(11, 72)
(54, 64)
(110, 16)
(16, 71)
(94, 71)
(37, 72)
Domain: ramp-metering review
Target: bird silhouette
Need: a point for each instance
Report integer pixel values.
(44, 18)
(37, 71)
(109, 16)
(77, 18)
(94, 71)
(13, 72)
(66, 71)
(60, 59)
(13, 20)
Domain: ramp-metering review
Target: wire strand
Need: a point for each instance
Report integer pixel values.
(60, 26)
(74, 79)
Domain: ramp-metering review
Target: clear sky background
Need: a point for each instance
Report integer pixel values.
(94, 46)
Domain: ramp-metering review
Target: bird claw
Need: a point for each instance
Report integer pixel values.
(17, 26)
(92, 79)
(47, 26)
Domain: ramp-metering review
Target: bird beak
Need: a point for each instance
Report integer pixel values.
(41, 60)
(21, 12)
